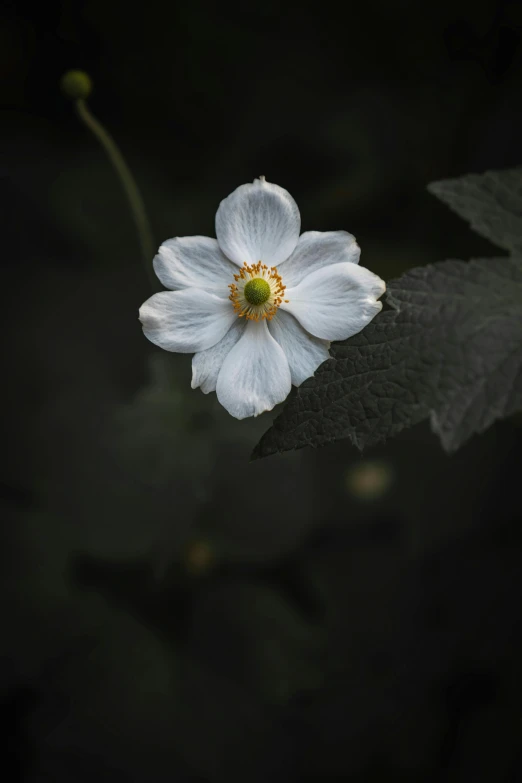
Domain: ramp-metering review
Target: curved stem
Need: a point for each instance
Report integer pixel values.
(130, 187)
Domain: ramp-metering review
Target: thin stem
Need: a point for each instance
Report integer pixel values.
(130, 187)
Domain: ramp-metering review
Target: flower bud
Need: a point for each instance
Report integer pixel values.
(76, 84)
(199, 557)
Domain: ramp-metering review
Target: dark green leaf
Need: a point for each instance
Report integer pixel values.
(450, 348)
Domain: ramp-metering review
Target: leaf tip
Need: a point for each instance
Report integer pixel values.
(260, 451)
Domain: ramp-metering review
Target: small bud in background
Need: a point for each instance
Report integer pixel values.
(199, 557)
(369, 480)
(76, 85)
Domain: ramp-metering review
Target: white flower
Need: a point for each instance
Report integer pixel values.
(258, 306)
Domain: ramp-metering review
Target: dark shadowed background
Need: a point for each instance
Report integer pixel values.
(170, 610)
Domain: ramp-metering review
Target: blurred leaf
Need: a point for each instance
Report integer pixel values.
(159, 424)
(252, 632)
(285, 649)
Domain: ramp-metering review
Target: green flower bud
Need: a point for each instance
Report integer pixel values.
(76, 84)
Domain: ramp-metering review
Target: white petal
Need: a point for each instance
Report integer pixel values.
(186, 321)
(316, 249)
(303, 352)
(337, 301)
(194, 262)
(207, 364)
(255, 375)
(258, 222)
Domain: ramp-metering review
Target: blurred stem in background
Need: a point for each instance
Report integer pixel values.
(77, 86)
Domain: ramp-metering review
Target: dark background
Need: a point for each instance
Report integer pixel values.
(171, 611)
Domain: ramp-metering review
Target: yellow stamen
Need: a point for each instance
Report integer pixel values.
(250, 306)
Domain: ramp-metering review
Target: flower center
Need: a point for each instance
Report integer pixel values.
(257, 292)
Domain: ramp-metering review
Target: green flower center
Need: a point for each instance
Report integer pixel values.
(257, 291)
